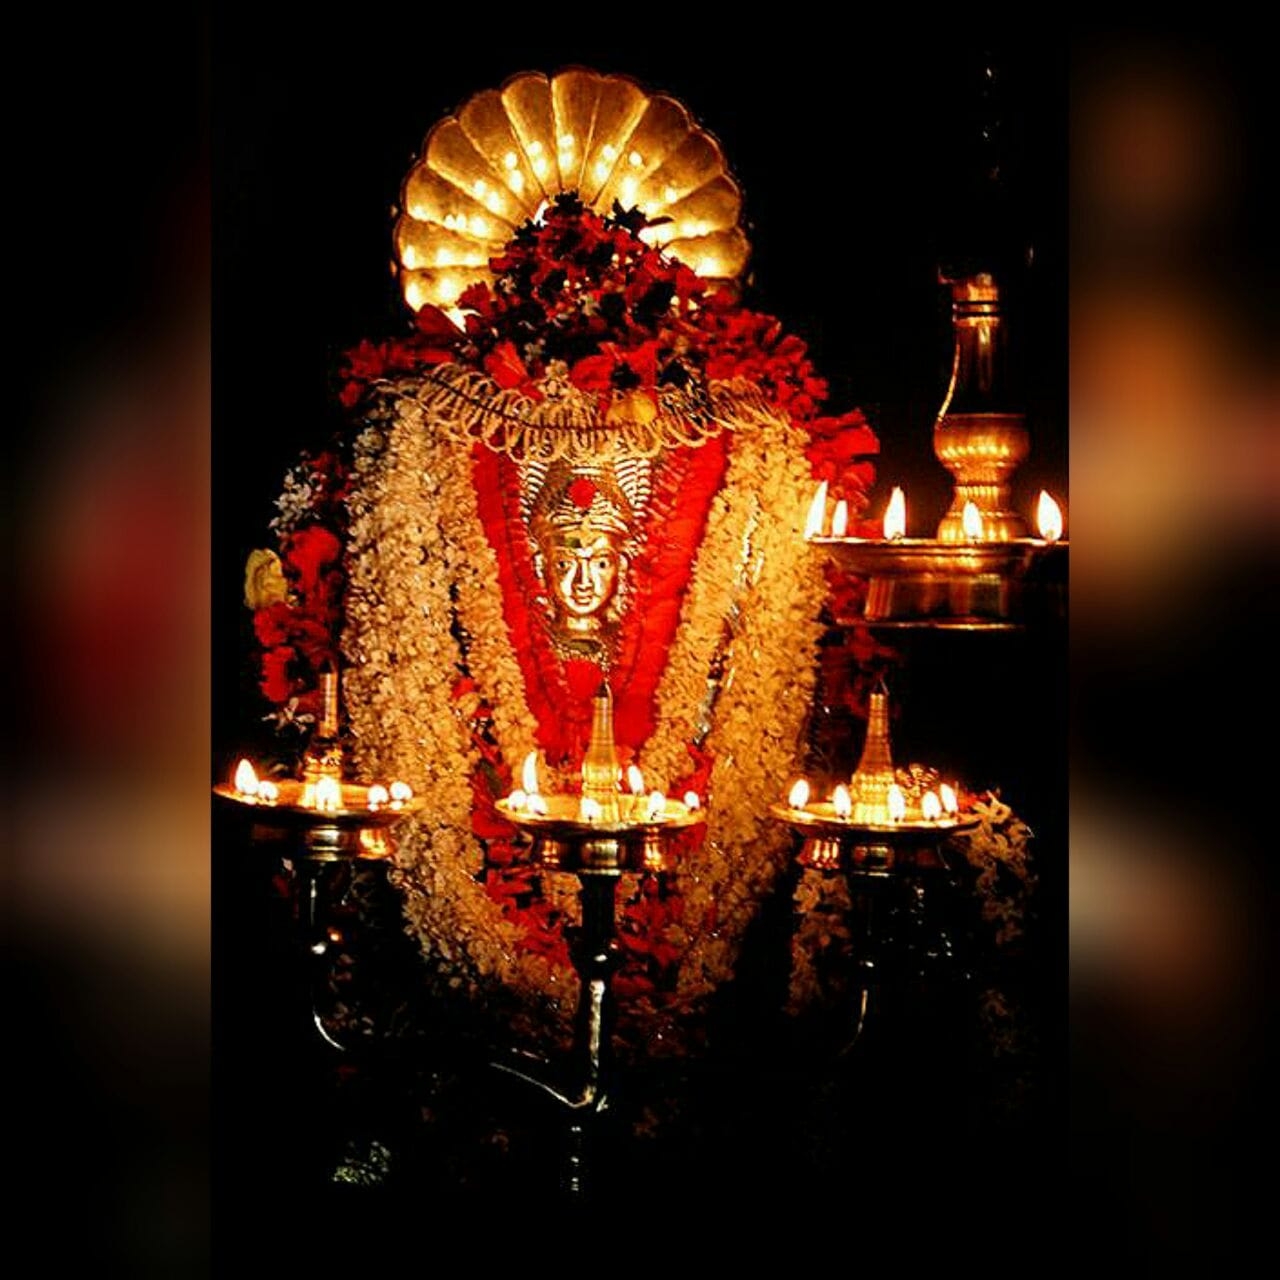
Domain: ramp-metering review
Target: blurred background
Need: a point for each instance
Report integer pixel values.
(1175, 468)
(1173, 510)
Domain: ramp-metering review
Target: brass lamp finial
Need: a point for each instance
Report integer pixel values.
(869, 786)
(600, 771)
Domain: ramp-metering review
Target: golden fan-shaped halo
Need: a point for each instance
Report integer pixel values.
(490, 167)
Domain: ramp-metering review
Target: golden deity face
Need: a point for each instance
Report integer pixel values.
(582, 573)
(582, 537)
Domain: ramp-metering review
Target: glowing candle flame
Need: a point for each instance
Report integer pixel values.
(517, 799)
(378, 795)
(510, 160)
(328, 795)
(246, 780)
(657, 806)
(895, 515)
(817, 516)
(798, 796)
(949, 798)
(930, 806)
(529, 773)
(636, 159)
(971, 522)
(841, 801)
(635, 780)
(589, 810)
(691, 800)
(897, 803)
(268, 792)
(401, 791)
(1049, 518)
(840, 521)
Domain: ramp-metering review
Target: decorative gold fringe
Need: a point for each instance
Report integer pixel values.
(568, 423)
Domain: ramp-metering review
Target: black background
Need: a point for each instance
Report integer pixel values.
(864, 171)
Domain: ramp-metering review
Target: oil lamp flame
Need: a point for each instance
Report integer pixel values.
(246, 780)
(971, 521)
(897, 803)
(328, 795)
(529, 773)
(842, 802)
(268, 792)
(895, 515)
(692, 800)
(1049, 518)
(378, 795)
(798, 796)
(635, 780)
(589, 810)
(400, 792)
(536, 804)
(657, 806)
(840, 521)
(948, 798)
(517, 799)
(817, 516)
(930, 806)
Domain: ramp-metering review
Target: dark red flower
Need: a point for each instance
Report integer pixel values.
(308, 552)
(271, 625)
(477, 298)
(593, 373)
(504, 366)
(276, 684)
(434, 323)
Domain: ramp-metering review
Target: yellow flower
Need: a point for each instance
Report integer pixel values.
(264, 582)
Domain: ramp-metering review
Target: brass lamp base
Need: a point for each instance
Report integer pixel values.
(887, 868)
(598, 854)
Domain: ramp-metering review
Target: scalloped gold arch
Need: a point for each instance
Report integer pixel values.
(487, 169)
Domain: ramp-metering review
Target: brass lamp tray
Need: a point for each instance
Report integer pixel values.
(822, 817)
(563, 841)
(326, 834)
(922, 582)
(832, 843)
